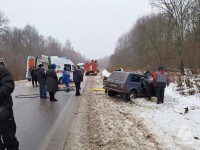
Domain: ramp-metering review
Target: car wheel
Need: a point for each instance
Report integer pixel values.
(29, 79)
(131, 96)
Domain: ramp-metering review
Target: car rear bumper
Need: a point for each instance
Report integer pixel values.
(115, 90)
(91, 72)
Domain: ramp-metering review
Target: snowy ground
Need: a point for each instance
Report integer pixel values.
(107, 123)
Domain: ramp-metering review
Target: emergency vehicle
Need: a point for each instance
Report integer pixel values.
(91, 67)
(59, 64)
(29, 66)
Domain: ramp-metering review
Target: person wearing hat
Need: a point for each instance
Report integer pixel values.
(160, 80)
(41, 77)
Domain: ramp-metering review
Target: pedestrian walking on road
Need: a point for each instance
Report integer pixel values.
(160, 80)
(52, 82)
(78, 78)
(34, 77)
(7, 122)
(41, 77)
(66, 79)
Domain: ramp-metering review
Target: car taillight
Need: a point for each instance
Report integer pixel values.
(123, 87)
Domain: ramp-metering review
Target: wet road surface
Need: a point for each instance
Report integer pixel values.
(42, 124)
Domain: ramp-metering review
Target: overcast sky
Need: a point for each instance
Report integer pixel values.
(92, 26)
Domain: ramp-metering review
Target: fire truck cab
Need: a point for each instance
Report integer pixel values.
(91, 67)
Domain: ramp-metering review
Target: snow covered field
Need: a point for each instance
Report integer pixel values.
(109, 123)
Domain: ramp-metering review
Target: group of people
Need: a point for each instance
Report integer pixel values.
(49, 81)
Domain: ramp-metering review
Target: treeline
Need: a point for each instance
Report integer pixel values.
(169, 38)
(18, 43)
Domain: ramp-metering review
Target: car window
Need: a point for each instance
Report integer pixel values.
(68, 67)
(135, 78)
(118, 76)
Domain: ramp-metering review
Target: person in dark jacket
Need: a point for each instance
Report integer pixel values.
(160, 80)
(7, 121)
(34, 76)
(52, 82)
(41, 77)
(78, 78)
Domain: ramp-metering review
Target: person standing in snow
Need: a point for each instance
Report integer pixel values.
(66, 79)
(160, 80)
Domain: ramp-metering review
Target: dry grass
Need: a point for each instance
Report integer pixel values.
(192, 92)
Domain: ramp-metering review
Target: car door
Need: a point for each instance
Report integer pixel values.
(135, 83)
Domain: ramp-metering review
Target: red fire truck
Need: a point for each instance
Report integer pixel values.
(91, 67)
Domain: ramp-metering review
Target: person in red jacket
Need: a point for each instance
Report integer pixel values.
(160, 80)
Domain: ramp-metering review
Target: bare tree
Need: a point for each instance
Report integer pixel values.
(179, 12)
(3, 22)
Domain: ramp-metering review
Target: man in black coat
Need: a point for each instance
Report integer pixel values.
(7, 122)
(34, 76)
(78, 78)
(41, 77)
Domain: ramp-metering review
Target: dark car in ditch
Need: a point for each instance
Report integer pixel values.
(128, 84)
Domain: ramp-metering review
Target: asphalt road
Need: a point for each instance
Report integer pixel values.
(42, 124)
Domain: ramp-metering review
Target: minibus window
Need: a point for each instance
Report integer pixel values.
(68, 67)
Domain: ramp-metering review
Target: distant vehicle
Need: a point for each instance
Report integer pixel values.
(2, 62)
(127, 84)
(91, 67)
(59, 62)
(82, 67)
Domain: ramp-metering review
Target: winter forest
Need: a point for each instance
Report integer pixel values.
(170, 37)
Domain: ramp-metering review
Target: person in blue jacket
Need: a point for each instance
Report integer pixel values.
(66, 79)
